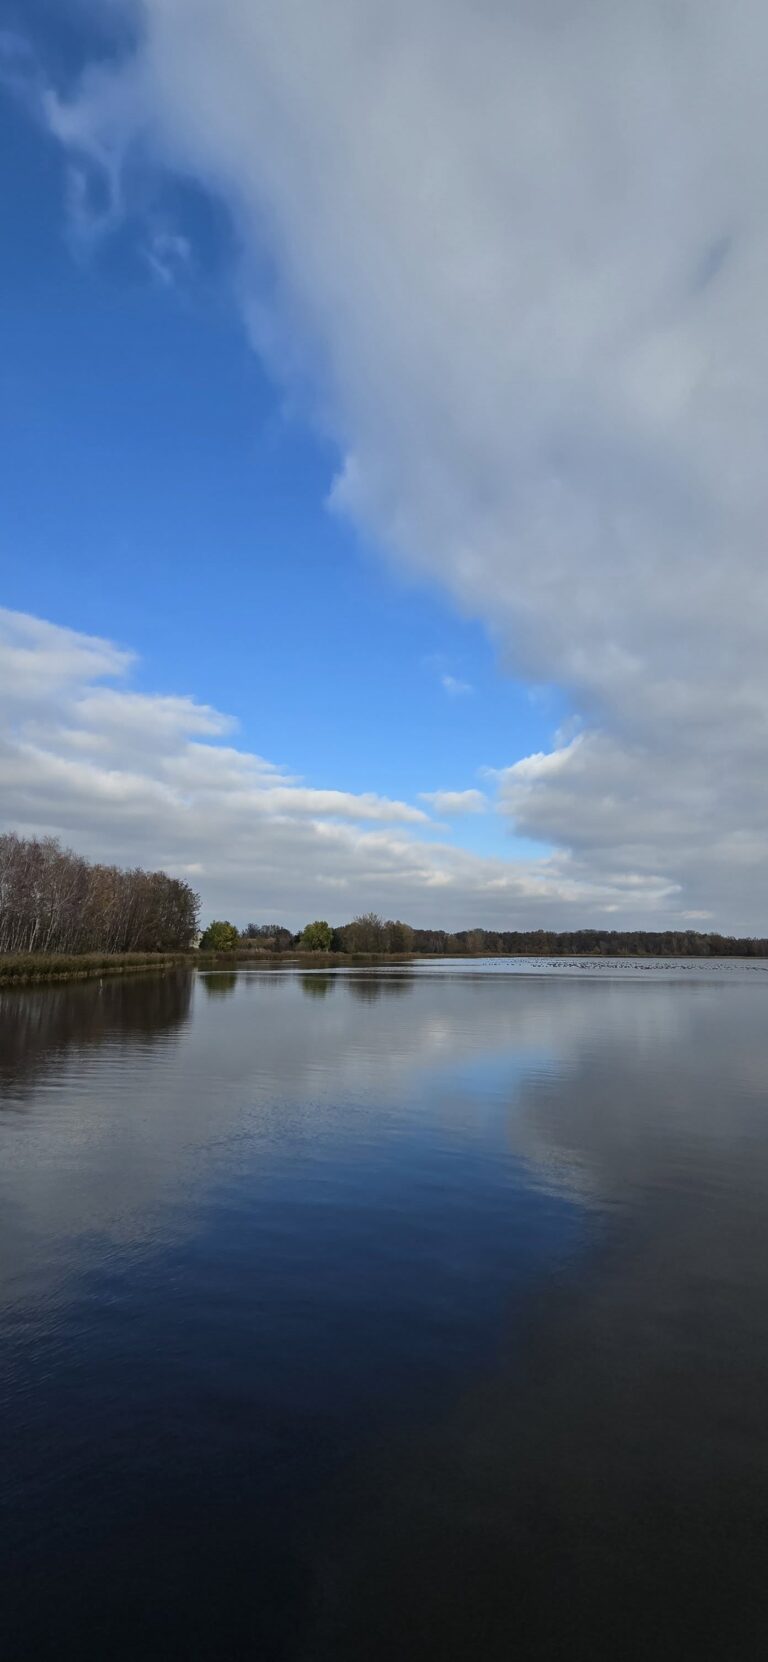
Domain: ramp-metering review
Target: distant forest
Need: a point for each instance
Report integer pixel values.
(373, 935)
(52, 900)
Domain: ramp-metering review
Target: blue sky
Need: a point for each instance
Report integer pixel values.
(184, 514)
(249, 266)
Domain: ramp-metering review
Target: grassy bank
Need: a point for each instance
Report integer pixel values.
(39, 968)
(31, 968)
(24, 969)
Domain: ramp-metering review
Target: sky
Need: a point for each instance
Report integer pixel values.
(383, 392)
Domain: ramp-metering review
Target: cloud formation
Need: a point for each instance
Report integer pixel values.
(514, 257)
(456, 802)
(147, 779)
(454, 687)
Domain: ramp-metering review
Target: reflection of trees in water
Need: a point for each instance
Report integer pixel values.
(40, 1025)
(370, 987)
(220, 983)
(317, 986)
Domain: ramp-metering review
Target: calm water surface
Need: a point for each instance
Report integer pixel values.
(391, 1314)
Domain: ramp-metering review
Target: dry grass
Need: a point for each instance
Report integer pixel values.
(26, 968)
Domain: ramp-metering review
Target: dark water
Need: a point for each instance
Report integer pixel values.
(388, 1315)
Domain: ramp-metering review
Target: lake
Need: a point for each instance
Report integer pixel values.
(413, 1312)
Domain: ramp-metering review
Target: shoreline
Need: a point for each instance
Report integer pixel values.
(49, 969)
(26, 969)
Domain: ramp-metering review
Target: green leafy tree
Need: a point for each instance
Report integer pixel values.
(317, 937)
(219, 937)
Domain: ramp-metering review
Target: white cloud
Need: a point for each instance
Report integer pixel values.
(137, 778)
(456, 802)
(39, 658)
(518, 255)
(128, 715)
(168, 255)
(454, 687)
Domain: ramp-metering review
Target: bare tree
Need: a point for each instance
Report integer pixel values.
(52, 900)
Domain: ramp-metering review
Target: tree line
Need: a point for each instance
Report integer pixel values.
(55, 901)
(368, 934)
(52, 900)
(375, 936)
